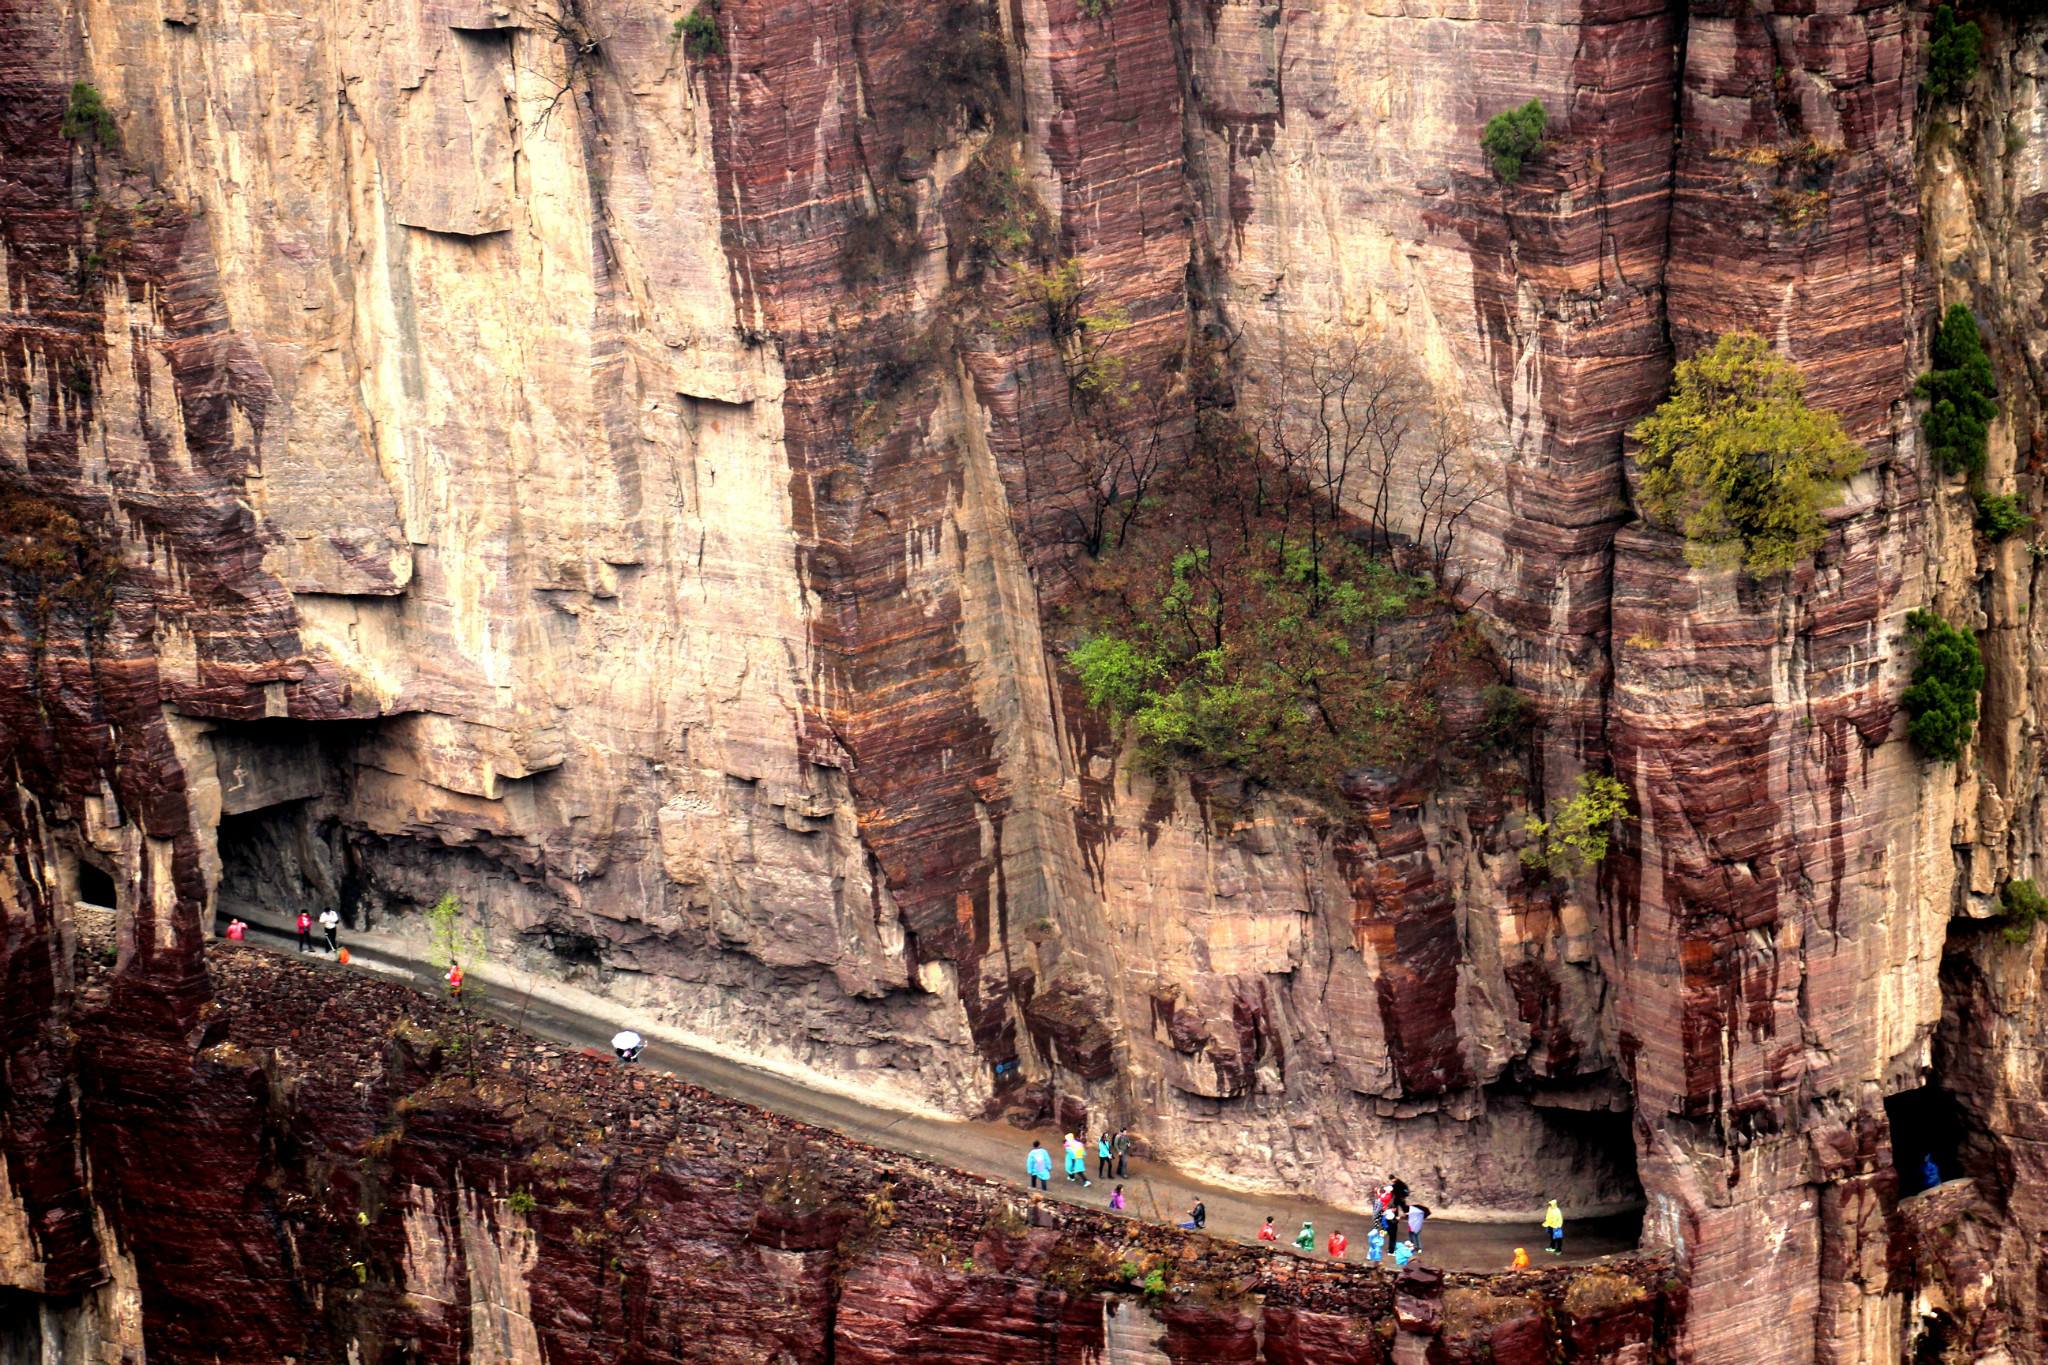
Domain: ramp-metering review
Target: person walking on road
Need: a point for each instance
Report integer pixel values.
(1116, 1199)
(1339, 1244)
(1268, 1233)
(1553, 1223)
(1120, 1147)
(1038, 1165)
(330, 925)
(1306, 1238)
(1077, 1162)
(1103, 1168)
(237, 931)
(1416, 1214)
(1376, 1244)
(455, 983)
(304, 924)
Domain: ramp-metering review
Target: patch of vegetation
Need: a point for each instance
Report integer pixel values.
(1962, 394)
(1941, 702)
(2002, 514)
(1059, 293)
(2024, 906)
(53, 564)
(1576, 837)
(1736, 461)
(1512, 137)
(1232, 611)
(521, 1201)
(1799, 208)
(1954, 49)
(1508, 715)
(1098, 9)
(698, 30)
(958, 76)
(1600, 1291)
(1003, 219)
(87, 118)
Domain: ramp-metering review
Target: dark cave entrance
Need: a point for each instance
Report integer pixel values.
(275, 860)
(276, 845)
(1600, 1145)
(95, 886)
(1925, 1122)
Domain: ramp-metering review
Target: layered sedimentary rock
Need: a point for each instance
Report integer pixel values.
(622, 479)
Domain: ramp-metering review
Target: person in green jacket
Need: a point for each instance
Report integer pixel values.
(1306, 1238)
(1553, 1223)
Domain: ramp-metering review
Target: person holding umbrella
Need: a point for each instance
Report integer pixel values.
(627, 1044)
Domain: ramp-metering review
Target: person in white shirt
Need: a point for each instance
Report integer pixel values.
(330, 925)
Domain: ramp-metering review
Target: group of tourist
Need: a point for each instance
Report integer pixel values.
(1397, 1221)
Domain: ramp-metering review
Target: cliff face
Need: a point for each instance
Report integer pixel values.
(526, 451)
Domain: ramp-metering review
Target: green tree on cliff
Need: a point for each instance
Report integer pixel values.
(1961, 393)
(1736, 461)
(1953, 51)
(1512, 137)
(1941, 703)
(1576, 835)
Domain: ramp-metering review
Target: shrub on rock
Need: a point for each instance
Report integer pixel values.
(1512, 137)
(1736, 461)
(1961, 394)
(1941, 703)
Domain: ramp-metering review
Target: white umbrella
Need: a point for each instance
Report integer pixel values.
(626, 1041)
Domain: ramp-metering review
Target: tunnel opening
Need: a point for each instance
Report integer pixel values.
(1598, 1145)
(95, 886)
(1927, 1128)
(276, 860)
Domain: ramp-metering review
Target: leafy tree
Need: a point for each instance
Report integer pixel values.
(1576, 837)
(1512, 137)
(2024, 906)
(1115, 673)
(699, 30)
(451, 938)
(1962, 394)
(2000, 515)
(1953, 51)
(1738, 462)
(87, 118)
(1941, 702)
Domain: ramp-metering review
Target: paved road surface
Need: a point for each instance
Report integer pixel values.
(1153, 1190)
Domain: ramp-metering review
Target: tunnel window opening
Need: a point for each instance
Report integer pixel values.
(1599, 1146)
(1927, 1130)
(275, 861)
(95, 886)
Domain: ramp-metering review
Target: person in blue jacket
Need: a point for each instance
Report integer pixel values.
(1929, 1172)
(1038, 1165)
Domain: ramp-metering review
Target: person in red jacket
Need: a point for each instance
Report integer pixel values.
(1267, 1233)
(305, 923)
(455, 982)
(1339, 1244)
(237, 931)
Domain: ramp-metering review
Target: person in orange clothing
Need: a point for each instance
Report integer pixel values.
(1521, 1261)
(455, 982)
(1339, 1244)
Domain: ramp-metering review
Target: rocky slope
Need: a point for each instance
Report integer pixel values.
(609, 475)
